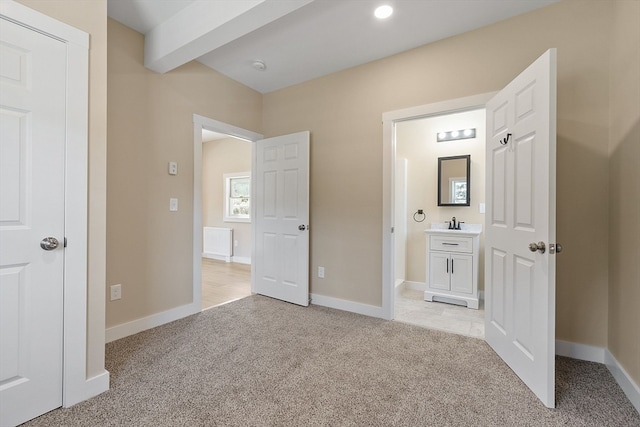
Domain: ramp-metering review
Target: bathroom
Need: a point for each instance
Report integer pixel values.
(416, 208)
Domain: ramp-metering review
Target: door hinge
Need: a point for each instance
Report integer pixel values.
(392, 230)
(65, 242)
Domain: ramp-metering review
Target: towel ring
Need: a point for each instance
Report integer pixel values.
(419, 212)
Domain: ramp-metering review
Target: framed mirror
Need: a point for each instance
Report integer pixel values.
(454, 181)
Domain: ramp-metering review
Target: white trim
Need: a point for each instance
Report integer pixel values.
(93, 386)
(580, 351)
(216, 257)
(241, 259)
(389, 119)
(158, 319)
(199, 123)
(75, 384)
(345, 305)
(416, 286)
(623, 379)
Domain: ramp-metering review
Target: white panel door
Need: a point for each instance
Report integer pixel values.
(32, 142)
(282, 218)
(521, 208)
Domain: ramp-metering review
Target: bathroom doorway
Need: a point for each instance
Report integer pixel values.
(412, 147)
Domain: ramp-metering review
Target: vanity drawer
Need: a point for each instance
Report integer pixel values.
(451, 244)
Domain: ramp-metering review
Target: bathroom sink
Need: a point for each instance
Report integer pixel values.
(443, 228)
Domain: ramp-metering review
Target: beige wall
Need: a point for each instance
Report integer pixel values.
(222, 156)
(416, 141)
(624, 194)
(343, 111)
(150, 118)
(91, 17)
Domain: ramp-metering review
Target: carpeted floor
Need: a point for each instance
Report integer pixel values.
(262, 362)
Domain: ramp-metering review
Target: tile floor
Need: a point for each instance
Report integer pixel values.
(411, 308)
(224, 282)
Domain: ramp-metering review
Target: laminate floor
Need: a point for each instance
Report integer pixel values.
(411, 308)
(223, 282)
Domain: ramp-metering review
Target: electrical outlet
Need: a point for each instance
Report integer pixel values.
(116, 292)
(173, 204)
(235, 243)
(321, 272)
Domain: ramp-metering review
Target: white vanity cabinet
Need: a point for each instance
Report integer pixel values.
(452, 264)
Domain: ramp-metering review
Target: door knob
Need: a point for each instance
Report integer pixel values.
(555, 248)
(302, 227)
(49, 243)
(540, 247)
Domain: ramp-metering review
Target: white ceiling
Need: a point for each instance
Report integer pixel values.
(298, 40)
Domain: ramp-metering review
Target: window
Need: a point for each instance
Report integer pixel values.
(237, 190)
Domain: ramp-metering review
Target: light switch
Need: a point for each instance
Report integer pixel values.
(173, 205)
(482, 207)
(173, 168)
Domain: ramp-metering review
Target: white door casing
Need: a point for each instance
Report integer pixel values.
(32, 207)
(281, 194)
(521, 208)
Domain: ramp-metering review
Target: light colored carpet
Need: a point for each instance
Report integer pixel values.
(262, 362)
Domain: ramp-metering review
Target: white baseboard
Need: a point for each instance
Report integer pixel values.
(241, 259)
(210, 255)
(92, 387)
(580, 351)
(416, 286)
(139, 325)
(623, 379)
(345, 305)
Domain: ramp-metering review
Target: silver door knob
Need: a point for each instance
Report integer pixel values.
(555, 248)
(540, 247)
(302, 227)
(49, 243)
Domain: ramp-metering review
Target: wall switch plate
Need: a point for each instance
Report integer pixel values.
(321, 272)
(173, 205)
(173, 168)
(116, 292)
(482, 208)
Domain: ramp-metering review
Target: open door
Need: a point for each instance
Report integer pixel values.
(282, 218)
(520, 234)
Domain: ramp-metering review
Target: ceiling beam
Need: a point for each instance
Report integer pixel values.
(204, 26)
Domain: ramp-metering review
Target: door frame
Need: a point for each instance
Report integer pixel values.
(199, 123)
(389, 120)
(76, 387)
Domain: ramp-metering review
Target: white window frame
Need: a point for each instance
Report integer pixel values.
(227, 215)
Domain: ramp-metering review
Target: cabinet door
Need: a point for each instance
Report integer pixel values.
(461, 269)
(439, 267)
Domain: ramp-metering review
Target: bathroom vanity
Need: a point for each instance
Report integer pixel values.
(452, 263)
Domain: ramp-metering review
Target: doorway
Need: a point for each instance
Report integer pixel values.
(224, 274)
(226, 219)
(418, 149)
(406, 132)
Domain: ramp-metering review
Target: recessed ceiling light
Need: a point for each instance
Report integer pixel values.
(383, 12)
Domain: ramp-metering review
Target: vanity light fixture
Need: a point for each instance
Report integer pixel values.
(454, 135)
(383, 12)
